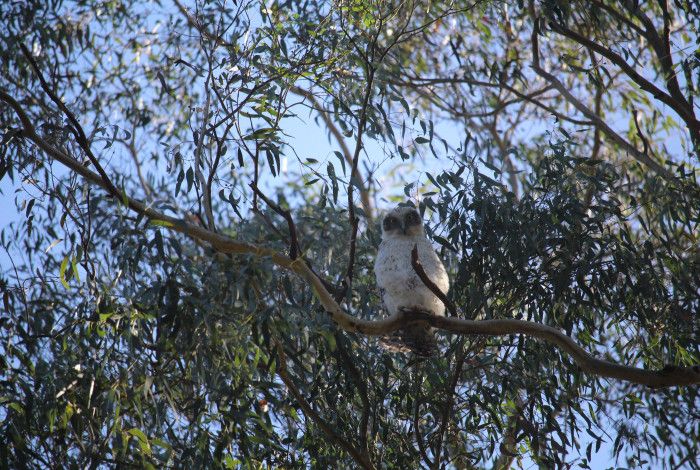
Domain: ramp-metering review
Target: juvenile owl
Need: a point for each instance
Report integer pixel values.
(400, 286)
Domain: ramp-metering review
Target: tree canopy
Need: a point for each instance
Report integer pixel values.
(186, 283)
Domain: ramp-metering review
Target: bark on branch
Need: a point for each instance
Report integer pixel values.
(666, 377)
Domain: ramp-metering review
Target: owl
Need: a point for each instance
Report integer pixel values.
(400, 286)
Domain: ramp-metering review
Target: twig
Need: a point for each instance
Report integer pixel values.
(354, 220)
(449, 403)
(639, 130)
(204, 183)
(347, 361)
(294, 249)
(418, 268)
(507, 448)
(410, 82)
(416, 420)
(364, 192)
(641, 157)
(675, 99)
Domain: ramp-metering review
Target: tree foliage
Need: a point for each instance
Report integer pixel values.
(187, 285)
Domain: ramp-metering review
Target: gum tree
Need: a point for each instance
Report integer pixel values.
(186, 285)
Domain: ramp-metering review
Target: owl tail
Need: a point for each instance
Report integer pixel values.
(418, 339)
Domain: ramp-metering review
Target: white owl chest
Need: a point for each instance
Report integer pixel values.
(398, 281)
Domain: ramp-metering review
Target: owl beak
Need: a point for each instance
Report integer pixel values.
(403, 228)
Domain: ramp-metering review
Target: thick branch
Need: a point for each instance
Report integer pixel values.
(668, 376)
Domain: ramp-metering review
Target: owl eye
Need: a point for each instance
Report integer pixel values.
(390, 223)
(413, 218)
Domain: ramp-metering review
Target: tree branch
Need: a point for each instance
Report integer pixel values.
(530, 98)
(204, 183)
(614, 136)
(294, 249)
(666, 377)
(416, 423)
(354, 221)
(678, 103)
(418, 268)
(76, 128)
(449, 403)
(662, 49)
(507, 447)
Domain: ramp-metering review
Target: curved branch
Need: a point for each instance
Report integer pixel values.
(677, 102)
(666, 377)
(418, 268)
(76, 128)
(417, 82)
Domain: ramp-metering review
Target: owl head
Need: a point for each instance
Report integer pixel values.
(404, 221)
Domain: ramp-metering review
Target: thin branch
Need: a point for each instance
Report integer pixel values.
(76, 128)
(418, 268)
(645, 142)
(294, 249)
(677, 103)
(354, 220)
(662, 49)
(327, 429)
(507, 447)
(619, 16)
(410, 82)
(449, 403)
(204, 183)
(347, 361)
(416, 422)
(666, 377)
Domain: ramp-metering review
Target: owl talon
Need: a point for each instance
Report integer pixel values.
(415, 311)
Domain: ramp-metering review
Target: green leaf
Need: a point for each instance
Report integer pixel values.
(62, 272)
(143, 440)
(74, 266)
(161, 223)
